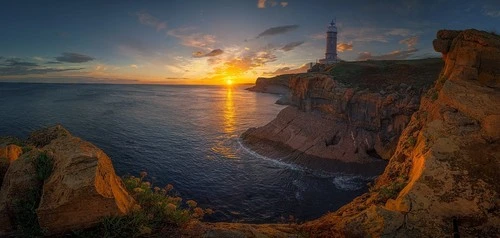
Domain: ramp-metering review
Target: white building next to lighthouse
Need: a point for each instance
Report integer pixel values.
(331, 45)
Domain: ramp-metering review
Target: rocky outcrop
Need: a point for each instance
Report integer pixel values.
(8, 154)
(339, 117)
(443, 177)
(82, 187)
(83, 184)
(19, 181)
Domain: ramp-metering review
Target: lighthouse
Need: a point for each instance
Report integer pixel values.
(331, 45)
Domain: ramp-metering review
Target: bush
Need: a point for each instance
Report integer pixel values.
(391, 191)
(43, 166)
(156, 210)
(411, 141)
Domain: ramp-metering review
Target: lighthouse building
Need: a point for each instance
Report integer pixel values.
(331, 45)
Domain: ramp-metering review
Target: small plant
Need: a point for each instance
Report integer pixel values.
(391, 191)
(434, 95)
(156, 209)
(27, 149)
(43, 166)
(411, 141)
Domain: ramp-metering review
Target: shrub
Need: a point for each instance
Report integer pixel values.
(43, 166)
(392, 190)
(411, 141)
(156, 210)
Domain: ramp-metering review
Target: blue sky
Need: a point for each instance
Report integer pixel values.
(211, 42)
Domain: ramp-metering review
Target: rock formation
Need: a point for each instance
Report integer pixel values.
(81, 189)
(444, 173)
(354, 115)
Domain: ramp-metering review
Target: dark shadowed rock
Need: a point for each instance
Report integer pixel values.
(43, 137)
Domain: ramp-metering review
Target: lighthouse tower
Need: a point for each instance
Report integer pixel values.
(331, 45)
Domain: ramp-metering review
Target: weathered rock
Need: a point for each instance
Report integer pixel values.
(8, 154)
(43, 137)
(19, 180)
(349, 121)
(446, 164)
(83, 187)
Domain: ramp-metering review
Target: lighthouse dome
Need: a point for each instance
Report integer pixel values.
(332, 27)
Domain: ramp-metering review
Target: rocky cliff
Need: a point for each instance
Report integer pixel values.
(354, 112)
(443, 177)
(69, 184)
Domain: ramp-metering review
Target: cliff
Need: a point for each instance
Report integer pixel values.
(354, 112)
(443, 177)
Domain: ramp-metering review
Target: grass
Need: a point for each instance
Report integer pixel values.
(25, 217)
(157, 210)
(392, 190)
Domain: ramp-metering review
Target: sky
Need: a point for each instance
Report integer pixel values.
(215, 41)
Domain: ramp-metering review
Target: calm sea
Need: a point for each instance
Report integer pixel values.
(187, 136)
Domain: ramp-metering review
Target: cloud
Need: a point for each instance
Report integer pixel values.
(261, 3)
(134, 66)
(341, 47)
(273, 3)
(149, 20)
(73, 58)
(491, 11)
(175, 78)
(14, 66)
(365, 34)
(200, 54)
(193, 39)
(14, 62)
(277, 30)
(394, 55)
(288, 70)
(291, 45)
(410, 42)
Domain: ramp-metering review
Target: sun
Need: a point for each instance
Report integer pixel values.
(229, 81)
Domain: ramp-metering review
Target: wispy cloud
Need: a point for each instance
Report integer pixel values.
(261, 3)
(289, 70)
(200, 54)
(15, 66)
(491, 11)
(277, 30)
(291, 45)
(410, 42)
(341, 47)
(149, 20)
(193, 39)
(134, 66)
(73, 58)
(272, 3)
(394, 55)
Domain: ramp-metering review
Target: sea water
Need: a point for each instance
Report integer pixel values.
(187, 136)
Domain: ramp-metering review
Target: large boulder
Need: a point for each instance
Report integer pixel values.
(19, 180)
(83, 187)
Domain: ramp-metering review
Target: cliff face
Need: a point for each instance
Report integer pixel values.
(444, 172)
(354, 115)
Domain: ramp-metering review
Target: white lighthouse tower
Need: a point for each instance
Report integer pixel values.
(331, 45)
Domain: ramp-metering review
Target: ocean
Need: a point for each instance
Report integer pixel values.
(187, 136)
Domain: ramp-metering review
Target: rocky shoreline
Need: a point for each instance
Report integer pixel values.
(441, 142)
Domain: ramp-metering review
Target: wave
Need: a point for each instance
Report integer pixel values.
(275, 161)
(349, 182)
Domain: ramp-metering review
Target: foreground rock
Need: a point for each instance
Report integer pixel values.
(8, 153)
(355, 115)
(81, 189)
(444, 173)
(19, 181)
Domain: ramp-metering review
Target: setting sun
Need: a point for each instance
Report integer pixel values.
(229, 81)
